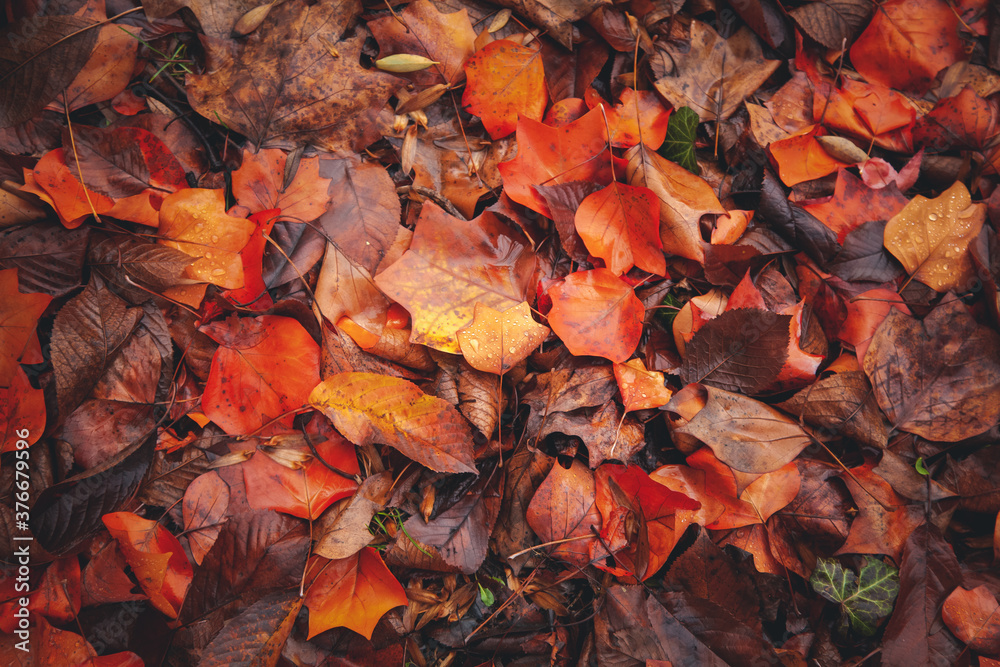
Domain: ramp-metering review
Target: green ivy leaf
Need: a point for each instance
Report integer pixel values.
(679, 145)
(864, 598)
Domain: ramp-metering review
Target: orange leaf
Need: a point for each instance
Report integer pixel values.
(553, 155)
(802, 158)
(621, 224)
(369, 408)
(452, 265)
(195, 221)
(974, 617)
(931, 238)
(259, 185)
(156, 557)
(495, 342)
(596, 313)
(447, 39)
(253, 295)
(22, 412)
(864, 313)
(306, 489)
(19, 315)
(635, 110)
(264, 367)
(853, 203)
(353, 593)
(918, 37)
(505, 81)
(641, 389)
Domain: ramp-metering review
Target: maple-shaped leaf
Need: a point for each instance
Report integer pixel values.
(495, 342)
(596, 313)
(741, 350)
(919, 38)
(747, 435)
(714, 75)
(684, 198)
(939, 377)
(641, 389)
(195, 221)
(451, 266)
(564, 507)
(621, 224)
(155, 556)
(678, 144)
(864, 598)
(974, 617)
(638, 113)
(962, 121)
(420, 29)
(931, 238)
(259, 184)
(19, 315)
(286, 477)
(505, 81)
(553, 155)
(352, 593)
(264, 367)
(369, 408)
(287, 85)
(802, 158)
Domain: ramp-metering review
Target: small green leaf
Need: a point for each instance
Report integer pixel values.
(921, 468)
(486, 595)
(863, 598)
(668, 309)
(679, 145)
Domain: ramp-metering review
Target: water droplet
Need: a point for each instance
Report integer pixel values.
(932, 217)
(512, 349)
(218, 272)
(474, 344)
(215, 238)
(208, 255)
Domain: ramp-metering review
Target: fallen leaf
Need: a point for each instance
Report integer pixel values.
(495, 342)
(974, 617)
(931, 238)
(864, 598)
(259, 184)
(506, 81)
(938, 378)
(563, 508)
(641, 389)
(451, 266)
(596, 313)
(369, 408)
(853, 204)
(352, 592)
(714, 75)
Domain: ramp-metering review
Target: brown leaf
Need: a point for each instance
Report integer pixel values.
(556, 17)
(938, 378)
(88, 334)
(606, 431)
(256, 635)
(563, 507)
(344, 533)
(831, 22)
(745, 434)
(741, 350)
(420, 29)
(285, 86)
(714, 75)
(842, 404)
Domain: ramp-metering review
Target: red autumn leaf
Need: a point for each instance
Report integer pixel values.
(885, 519)
(352, 592)
(293, 480)
(919, 38)
(369, 408)
(155, 556)
(206, 501)
(853, 203)
(19, 315)
(553, 155)
(974, 617)
(596, 313)
(253, 295)
(451, 266)
(963, 121)
(637, 113)
(506, 82)
(259, 184)
(264, 367)
(621, 225)
(563, 510)
(863, 110)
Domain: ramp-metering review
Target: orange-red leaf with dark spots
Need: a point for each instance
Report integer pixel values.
(597, 313)
(506, 81)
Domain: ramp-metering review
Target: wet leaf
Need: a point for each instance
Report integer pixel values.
(596, 313)
(506, 81)
(495, 342)
(974, 617)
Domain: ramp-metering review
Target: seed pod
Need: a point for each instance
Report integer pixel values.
(421, 100)
(252, 20)
(499, 21)
(404, 62)
(842, 149)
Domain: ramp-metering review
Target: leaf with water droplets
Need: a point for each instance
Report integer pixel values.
(931, 238)
(496, 341)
